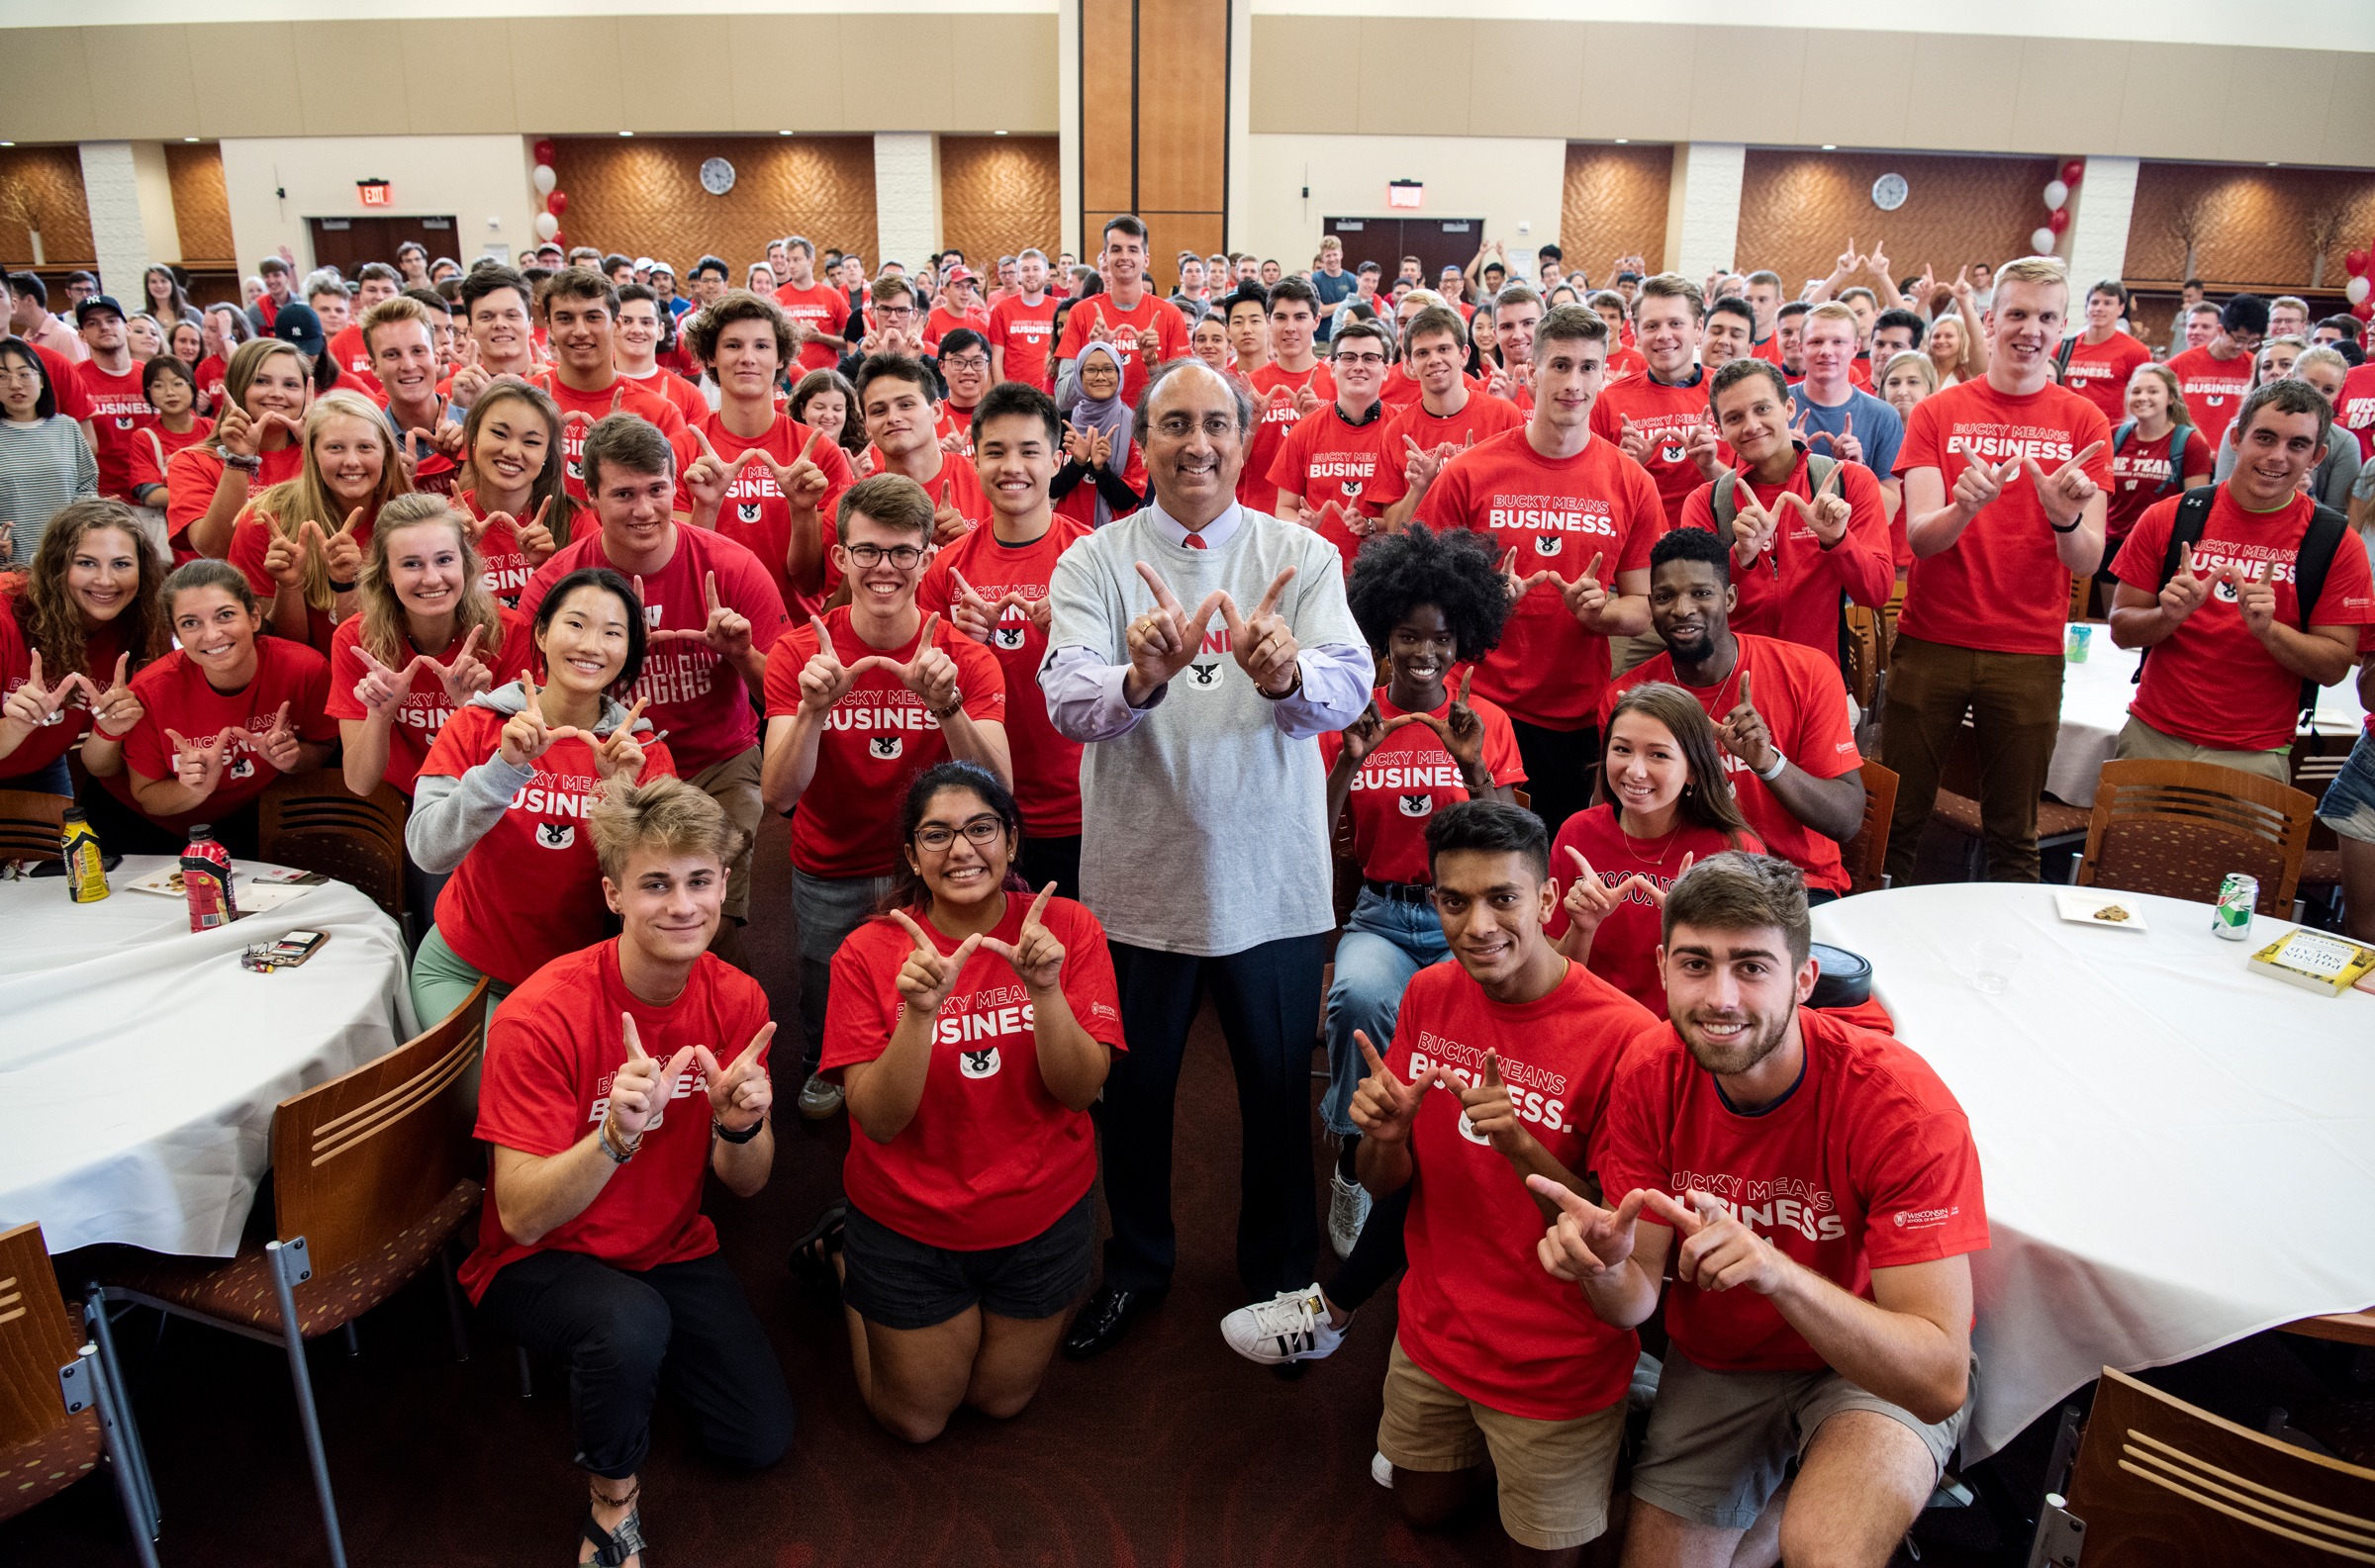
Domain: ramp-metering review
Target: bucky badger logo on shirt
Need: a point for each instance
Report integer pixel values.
(1545, 544)
(1417, 805)
(556, 835)
(747, 510)
(885, 747)
(979, 1063)
(1009, 638)
(1204, 676)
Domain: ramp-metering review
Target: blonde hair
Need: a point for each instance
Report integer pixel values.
(667, 814)
(384, 635)
(1918, 361)
(2178, 413)
(286, 507)
(400, 308)
(1832, 310)
(2037, 269)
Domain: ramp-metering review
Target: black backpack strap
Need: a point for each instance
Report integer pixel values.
(2185, 531)
(2311, 564)
(1726, 505)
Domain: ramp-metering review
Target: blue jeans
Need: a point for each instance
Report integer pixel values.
(1387, 941)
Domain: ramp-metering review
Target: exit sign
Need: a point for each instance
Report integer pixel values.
(375, 193)
(1406, 193)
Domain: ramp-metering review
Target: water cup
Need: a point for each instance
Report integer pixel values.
(1992, 966)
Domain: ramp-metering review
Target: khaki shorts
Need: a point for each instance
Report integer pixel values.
(2139, 740)
(734, 785)
(1720, 1442)
(1555, 1475)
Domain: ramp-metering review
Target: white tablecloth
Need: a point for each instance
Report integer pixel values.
(2094, 710)
(140, 1064)
(2177, 1152)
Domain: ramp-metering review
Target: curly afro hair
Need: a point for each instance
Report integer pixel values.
(1454, 571)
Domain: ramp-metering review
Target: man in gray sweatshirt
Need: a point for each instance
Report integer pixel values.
(1196, 648)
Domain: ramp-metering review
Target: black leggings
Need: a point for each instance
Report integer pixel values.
(1378, 1256)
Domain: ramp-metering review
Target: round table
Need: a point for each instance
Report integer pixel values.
(2095, 694)
(141, 1062)
(2177, 1152)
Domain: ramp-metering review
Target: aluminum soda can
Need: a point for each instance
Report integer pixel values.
(2237, 897)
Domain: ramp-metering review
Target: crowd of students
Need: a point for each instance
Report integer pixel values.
(1075, 627)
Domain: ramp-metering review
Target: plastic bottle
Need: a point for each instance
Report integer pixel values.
(86, 867)
(206, 879)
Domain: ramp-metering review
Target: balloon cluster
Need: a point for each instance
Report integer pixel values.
(2358, 289)
(556, 202)
(2058, 207)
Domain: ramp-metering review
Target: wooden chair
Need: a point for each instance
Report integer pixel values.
(2343, 1327)
(58, 1415)
(2161, 1484)
(1866, 852)
(372, 1174)
(2177, 828)
(311, 821)
(1864, 657)
(30, 824)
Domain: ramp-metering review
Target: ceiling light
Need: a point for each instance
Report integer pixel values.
(626, 133)
(1830, 146)
(783, 133)
(189, 139)
(1623, 141)
(997, 133)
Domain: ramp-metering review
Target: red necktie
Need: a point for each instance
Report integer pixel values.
(1195, 541)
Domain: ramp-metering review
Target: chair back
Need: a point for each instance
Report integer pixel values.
(2316, 761)
(2177, 828)
(1868, 852)
(314, 822)
(37, 1337)
(359, 1159)
(2159, 1482)
(1863, 656)
(30, 824)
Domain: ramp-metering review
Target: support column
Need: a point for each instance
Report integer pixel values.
(130, 201)
(1702, 207)
(906, 195)
(1068, 127)
(2100, 208)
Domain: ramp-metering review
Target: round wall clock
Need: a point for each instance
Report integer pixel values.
(717, 176)
(1889, 192)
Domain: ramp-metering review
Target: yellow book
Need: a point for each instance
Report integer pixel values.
(2317, 960)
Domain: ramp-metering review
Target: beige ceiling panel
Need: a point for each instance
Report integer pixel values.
(1746, 83)
(1525, 78)
(1405, 64)
(1960, 98)
(48, 97)
(1629, 88)
(1290, 96)
(785, 72)
(901, 69)
(340, 66)
(2161, 113)
(2069, 97)
(1857, 90)
(2351, 113)
(2272, 101)
(257, 51)
(457, 77)
(660, 77)
(142, 87)
(1008, 82)
(565, 74)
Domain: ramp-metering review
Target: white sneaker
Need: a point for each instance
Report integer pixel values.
(1347, 1211)
(1291, 1326)
(1381, 1470)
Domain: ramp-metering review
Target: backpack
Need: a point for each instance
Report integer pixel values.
(2177, 445)
(2327, 530)
(1727, 502)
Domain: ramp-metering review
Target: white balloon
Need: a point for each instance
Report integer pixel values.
(2356, 290)
(543, 179)
(2056, 194)
(547, 226)
(2044, 241)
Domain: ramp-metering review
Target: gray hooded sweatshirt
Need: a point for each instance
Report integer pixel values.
(450, 815)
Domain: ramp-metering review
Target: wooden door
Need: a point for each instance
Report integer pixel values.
(347, 243)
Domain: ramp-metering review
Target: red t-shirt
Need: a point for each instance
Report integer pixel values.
(1624, 950)
(2210, 682)
(1407, 779)
(1479, 417)
(119, 410)
(2215, 389)
(193, 474)
(1793, 590)
(1804, 703)
(101, 648)
(354, 363)
(2138, 471)
(529, 889)
(1558, 514)
(666, 383)
(1667, 415)
(156, 447)
(252, 541)
(876, 740)
(632, 397)
(1868, 1163)
(209, 376)
(939, 321)
(2356, 409)
(551, 1052)
(1026, 333)
(2099, 372)
(820, 308)
(1274, 417)
(64, 384)
(1401, 389)
(990, 1158)
(1047, 764)
(1999, 587)
(175, 694)
(696, 695)
(1326, 457)
(1079, 504)
(426, 708)
(1171, 335)
(1478, 1314)
(507, 565)
(1626, 364)
(757, 515)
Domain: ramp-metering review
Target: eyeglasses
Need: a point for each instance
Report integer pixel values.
(965, 362)
(895, 310)
(981, 832)
(1361, 359)
(902, 556)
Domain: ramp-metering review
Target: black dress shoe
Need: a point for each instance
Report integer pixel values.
(1105, 1319)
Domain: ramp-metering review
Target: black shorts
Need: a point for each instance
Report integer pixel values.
(900, 1282)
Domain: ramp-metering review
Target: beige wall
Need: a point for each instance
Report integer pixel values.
(1503, 181)
(530, 75)
(472, 178)
(1806, 86)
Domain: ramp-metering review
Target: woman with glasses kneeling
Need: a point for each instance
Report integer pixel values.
(971, 1026)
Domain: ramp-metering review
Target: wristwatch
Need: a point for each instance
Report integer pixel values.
(1780, 761)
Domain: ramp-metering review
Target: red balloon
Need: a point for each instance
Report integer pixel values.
(560, 238)
(2355, 263)
(544, 149)
(2071, 172)
(2059, 219)
(557, 203)
(2364, 307)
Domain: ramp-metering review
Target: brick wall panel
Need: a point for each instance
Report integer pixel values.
(1614, 205)
(999, 195)
(2254, 224)
(1797, 210)
(51, 179)
(201, 205)
(643, 196)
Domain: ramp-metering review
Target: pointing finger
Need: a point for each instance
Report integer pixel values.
(1270, 599)
(1594, 570)
(1162, 590)
(1039, 904)
(924, 944)
(931, 624)
(758, 1043)
(2084, 457)
(1493, 1070)
(1369, 1053)
(1566, 1198)
(1745, 701)
(635, 1039)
